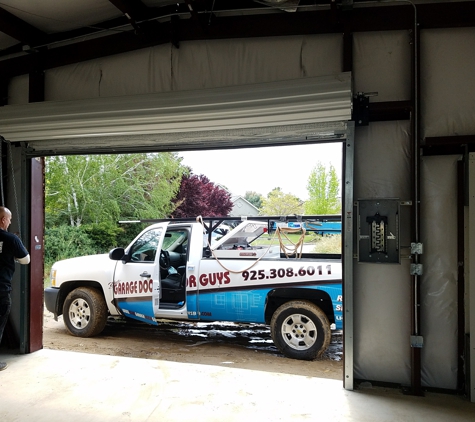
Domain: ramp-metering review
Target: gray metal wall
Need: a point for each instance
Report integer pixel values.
(382, 291)
(439, 281)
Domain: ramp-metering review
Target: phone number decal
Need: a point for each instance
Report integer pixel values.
(286, 272)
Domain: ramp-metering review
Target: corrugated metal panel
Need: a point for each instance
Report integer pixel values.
(283, 111)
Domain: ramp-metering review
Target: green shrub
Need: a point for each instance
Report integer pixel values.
(64, 242)
(104, 235)
(128, 233)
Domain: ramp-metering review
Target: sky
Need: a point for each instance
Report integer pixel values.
(263, 169)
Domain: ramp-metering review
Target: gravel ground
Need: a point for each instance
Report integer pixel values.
(225, 344)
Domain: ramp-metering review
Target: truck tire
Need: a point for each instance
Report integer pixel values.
(85, 312)
(300, 330)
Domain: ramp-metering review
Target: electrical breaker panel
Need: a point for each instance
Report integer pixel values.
(378, 230)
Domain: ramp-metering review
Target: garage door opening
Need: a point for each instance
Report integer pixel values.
(291, 112)
(230, 344)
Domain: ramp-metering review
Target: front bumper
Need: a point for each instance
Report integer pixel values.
(51, 300)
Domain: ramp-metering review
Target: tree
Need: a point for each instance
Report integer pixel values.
(198, 196)
(107, 188)
(280, 203)
(254, 198)
(64, 242)
(323, 189)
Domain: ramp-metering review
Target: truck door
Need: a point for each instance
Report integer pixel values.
(183, 245)
(195, 254)
(136, 278)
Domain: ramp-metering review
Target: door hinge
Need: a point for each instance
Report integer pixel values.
(417, 248)
(417, 269)
(417, 341)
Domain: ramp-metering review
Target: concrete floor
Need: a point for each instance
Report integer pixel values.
(52, 385)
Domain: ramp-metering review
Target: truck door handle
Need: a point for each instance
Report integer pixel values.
(145, 274)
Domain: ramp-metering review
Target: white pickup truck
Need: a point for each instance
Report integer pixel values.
(207, 270)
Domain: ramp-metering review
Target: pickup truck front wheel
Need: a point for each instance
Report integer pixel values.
(300, 330)
(85, 312)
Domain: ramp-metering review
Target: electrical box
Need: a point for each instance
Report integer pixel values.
(378, 230)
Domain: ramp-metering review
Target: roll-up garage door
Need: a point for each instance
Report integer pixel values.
(273, 113)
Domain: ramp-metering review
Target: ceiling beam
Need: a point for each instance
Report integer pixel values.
(119, 24)
(192, 9)
(449, 140)
(381, 18)
(389, 110)
(19, 29)
(141, 13)
(133, 10)
(446, 15)
(36, 86)
(50, 39)
(448, 145)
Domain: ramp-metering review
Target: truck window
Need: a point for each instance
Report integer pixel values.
(174, 240)
(145, 247)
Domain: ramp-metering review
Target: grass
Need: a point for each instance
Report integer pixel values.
(328, 244)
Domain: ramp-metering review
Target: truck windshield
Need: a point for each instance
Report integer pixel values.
(145, 247)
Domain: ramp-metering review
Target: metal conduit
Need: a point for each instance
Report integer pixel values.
(415, 226)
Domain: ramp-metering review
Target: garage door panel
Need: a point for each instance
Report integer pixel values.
(286, 111)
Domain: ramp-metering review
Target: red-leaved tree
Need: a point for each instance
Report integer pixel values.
(198, 196)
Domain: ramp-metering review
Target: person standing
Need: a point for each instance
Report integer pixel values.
(11, 251)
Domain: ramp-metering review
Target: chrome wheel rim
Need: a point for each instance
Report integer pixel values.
(299, 332)
(79, 313)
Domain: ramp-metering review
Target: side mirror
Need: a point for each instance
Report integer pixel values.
(117, 254)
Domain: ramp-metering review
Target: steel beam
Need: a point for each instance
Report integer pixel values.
(381, 18)
(19, 29)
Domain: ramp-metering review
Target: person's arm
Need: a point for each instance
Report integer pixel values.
(20, 251)
(25, 260)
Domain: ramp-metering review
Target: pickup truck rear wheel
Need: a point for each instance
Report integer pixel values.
(85, 312)
(300, 330)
